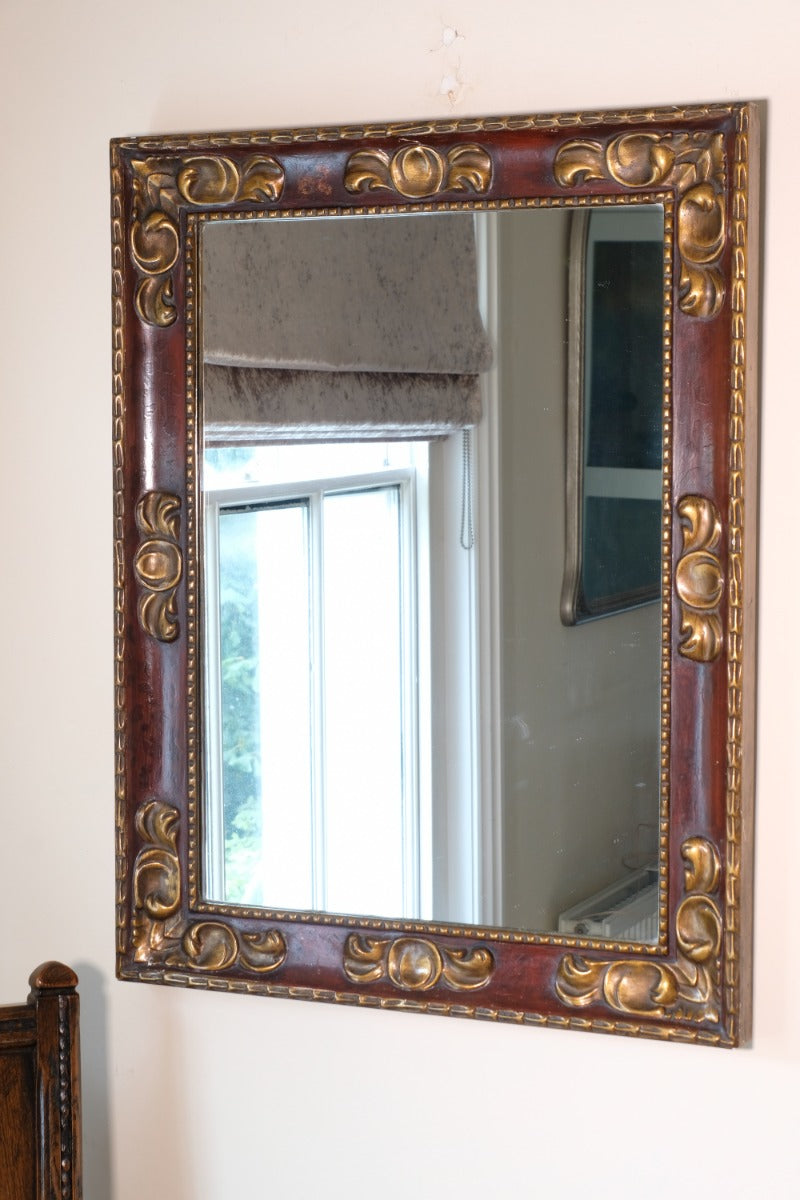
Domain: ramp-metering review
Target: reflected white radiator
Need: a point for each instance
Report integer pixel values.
(626, 911)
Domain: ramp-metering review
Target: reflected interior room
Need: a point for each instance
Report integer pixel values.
(386, 412)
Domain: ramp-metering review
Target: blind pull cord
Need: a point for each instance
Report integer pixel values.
(467, 529)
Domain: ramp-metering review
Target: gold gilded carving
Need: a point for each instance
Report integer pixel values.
(699, 581)
(158, 564)
(154, 248)
(415, 964)
(418, 171)
(694, 164)
(154, 303)
(203, 180)
(687, 989)
(154, 243)
(160, 935)
(160, 189)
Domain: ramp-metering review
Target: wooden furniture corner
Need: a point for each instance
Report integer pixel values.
(40, 1112)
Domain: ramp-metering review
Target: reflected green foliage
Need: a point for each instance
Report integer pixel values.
(241, 750)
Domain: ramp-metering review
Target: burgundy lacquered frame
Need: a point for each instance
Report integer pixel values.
(701, 164)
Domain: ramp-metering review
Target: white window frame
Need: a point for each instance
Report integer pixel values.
(415, 640)
(488, 649)
(467, 648)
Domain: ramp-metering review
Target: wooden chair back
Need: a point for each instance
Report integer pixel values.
(40, 1117)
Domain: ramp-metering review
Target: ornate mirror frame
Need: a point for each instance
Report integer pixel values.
(701, 164)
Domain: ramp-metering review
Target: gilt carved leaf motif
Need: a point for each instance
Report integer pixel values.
(161, 936)
(686, 989)
(692, 163)
(158, 564)
(161, 188)
(699, 580)
(416, 964)
(419, 172)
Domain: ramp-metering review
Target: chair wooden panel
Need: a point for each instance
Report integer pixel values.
(40, 1119)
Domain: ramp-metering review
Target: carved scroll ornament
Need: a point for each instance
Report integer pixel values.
(160, 188)
(685, 990)
(699, 581)
(158, 564)
(692, 163)
(416, 964)
(161, 936)
(418, 171)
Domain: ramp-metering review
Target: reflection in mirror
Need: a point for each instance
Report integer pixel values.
(398, 721)
(614, 411)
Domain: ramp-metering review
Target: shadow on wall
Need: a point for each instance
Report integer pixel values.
(95, 1082)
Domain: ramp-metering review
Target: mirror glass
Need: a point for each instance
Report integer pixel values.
(421, 432)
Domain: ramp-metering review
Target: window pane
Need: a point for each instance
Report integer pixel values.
(233, 466)
(363, 702)
(266, 704)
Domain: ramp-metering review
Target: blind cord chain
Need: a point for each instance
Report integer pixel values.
(467, 530)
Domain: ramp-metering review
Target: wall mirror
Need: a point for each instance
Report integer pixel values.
(434, 452)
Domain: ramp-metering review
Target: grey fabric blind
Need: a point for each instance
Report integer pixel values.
(334, 328)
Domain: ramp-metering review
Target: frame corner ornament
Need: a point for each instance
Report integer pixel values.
(691, 163)
(687, 989)
(699, 580)
(161, 188)
(161, 935)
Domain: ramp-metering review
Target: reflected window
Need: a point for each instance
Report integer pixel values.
(314, 600)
